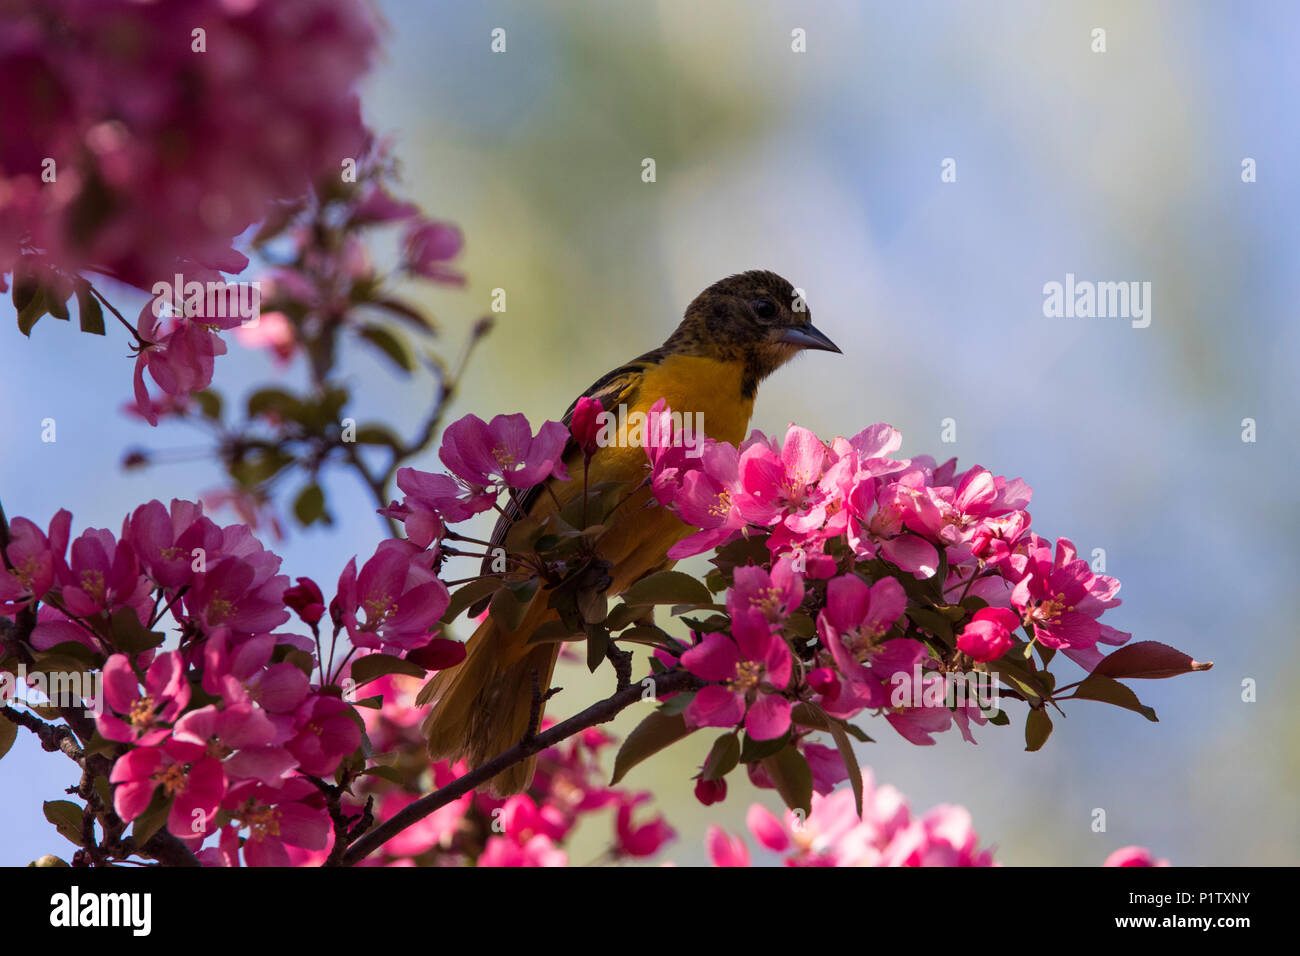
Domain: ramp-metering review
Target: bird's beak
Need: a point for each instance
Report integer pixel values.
(808, 337)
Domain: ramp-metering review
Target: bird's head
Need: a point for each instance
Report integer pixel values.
(756, 317)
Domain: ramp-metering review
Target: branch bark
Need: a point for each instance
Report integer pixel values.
(667, 682)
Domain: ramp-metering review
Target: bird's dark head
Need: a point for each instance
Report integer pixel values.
(756, 317)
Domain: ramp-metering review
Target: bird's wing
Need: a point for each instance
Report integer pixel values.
(610, 390)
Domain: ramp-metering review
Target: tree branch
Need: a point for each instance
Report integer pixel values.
(667, 682)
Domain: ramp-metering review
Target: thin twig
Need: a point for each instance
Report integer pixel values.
(606, 710)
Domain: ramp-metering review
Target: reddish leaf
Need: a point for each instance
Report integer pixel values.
(439, 654)
(1149, 660)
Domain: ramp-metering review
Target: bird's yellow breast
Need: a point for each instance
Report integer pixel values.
(640, 534)
(704, 385)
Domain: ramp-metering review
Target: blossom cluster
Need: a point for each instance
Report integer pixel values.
(853, 582)
(528, 829)
(144, 165)
(835, 834)
(225, 734)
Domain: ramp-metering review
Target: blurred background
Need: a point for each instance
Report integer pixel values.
(825, 166)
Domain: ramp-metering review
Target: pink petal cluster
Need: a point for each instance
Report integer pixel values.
(223, 728)
(887, 834)
(163, 159)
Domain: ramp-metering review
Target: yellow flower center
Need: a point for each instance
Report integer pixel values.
(503, 457)
(747, 676)
(92, 582)
(1049, 611)
(378, 610)
(721, 506)
(142, 712)
(767, 600)
(172, 779)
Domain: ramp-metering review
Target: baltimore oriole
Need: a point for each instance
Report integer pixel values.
(734, 334)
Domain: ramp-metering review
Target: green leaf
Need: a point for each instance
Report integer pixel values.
(104, 789)
(1038, 727)
(931, 621)
(365, 669)
(792, 777)
(373, 434)
(723, 757)
(130, 636)
(407, 313)
(25, 287)
(309, 506)
(58, 306)
(152, 820)
(552, 631)
(467, 595)
(668, 587)
(8, 734)
(370, 703)
(507, 610)
(259, 466)
(66, 817)
(391, 774)
(1110, 691)
(622, 615)
(649, 737)
(597, 645)
(89, 312)
(857, 733)
(391, 344)
(295, 656)
(752, 750)
(810, 715)
(649, 635)
(31, 313)
(677, 703)
(845, 747)
(278, 402)
(210, 404)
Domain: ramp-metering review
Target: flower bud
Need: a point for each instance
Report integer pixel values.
(585, 424)
(988, 635)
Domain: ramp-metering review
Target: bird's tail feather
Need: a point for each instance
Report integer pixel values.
(482, 707)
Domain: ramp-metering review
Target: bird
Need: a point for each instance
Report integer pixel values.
(732, 336)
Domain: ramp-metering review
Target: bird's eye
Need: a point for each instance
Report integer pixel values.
(764, 309)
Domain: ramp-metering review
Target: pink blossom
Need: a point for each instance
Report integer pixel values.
(278, 818)
(754, 665)
(428, 246)
(33, 558)
(706, 500)
(988, 634)
(325, 734)
(639, 840)
(479, 453)
(540, 850)
(1062, 598)
(400, 597)
(1134, 856)
(272, 331)
(776, 595)
(724, 849)
(583, 424)
(103, 576)
(142, 718)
